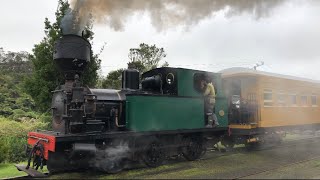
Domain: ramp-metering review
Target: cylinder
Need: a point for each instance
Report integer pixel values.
(72, 53)
(130, 79)
(84, 147)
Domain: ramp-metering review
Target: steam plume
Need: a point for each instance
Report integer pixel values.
(163, 13)
(111, 159)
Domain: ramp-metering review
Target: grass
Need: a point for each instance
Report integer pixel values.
(9, 170)
(317, 163)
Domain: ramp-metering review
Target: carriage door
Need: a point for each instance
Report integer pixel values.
(233, 92)
(248, 104)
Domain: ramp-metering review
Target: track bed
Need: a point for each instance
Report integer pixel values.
(292, 159)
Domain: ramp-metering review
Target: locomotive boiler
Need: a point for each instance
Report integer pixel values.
(77, 108)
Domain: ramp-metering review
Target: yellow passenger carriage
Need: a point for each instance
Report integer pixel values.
(263, 106)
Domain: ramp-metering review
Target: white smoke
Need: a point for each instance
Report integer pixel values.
(164, 14)
(112, 158)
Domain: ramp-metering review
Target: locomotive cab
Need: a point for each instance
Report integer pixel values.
(170, 98)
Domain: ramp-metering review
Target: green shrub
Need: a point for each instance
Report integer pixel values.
(6, 111)
(16, 151)
(18, 113)
(46, 118)
(3, 149)
(17, 118)
(12, 149)
(2, 98)
(14, 137)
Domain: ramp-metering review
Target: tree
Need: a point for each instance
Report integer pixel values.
(46, 76)
(14, 63)
(146, 57)
(113, 80)
(137, 65)
(143, 59)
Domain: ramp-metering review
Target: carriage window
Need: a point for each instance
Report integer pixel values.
(304, 100)
(314, 100)
(293, 99)
(282, 99)
(267, 97)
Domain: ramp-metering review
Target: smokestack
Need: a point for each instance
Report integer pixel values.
(163, 13)
(71, 54)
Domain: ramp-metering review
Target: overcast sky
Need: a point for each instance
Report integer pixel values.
(288, 40)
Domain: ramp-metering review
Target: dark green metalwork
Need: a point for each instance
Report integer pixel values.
(186, 88)
(156, 113)
(185, 111)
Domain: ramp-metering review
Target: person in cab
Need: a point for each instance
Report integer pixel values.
(210, 100)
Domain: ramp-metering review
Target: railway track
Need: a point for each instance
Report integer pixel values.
(275, 168)
(289, 143)
(285, 144)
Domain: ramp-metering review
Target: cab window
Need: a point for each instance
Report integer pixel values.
(197, 78)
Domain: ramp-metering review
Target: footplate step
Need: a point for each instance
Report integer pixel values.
(30, 171)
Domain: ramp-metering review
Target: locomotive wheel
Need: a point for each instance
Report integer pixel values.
(153, 155)
(194, 149)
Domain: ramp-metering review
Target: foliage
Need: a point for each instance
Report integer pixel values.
(144, 58)
(13, 101)
(46, 76)
(137, 65)
(15, 63)
(13, 138)
(17, 118)
(113, 80)
(147, 55)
